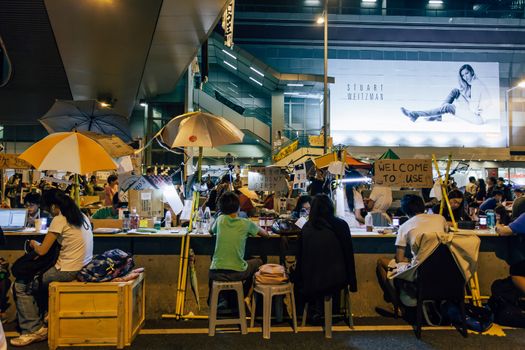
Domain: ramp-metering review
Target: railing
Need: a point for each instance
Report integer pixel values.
(514, 11)
(247, 110)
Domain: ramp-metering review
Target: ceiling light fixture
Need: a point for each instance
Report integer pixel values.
(435, 2)
(256, 71)
(230, 65)
(291, 93)
(256, 81)
(295, 84)
(229, 54)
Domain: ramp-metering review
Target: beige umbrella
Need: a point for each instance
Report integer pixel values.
(199, 129)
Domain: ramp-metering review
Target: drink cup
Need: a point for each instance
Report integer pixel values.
(38, 225)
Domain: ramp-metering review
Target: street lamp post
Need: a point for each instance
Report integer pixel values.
(326, 120)
(520, 85)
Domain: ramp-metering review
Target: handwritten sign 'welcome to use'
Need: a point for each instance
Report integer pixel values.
(403, 172)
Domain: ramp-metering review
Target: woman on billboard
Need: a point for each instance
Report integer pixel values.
(467, 102)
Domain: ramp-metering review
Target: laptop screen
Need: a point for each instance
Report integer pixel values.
(13, 217)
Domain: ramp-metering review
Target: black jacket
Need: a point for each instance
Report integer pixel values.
(325, 259)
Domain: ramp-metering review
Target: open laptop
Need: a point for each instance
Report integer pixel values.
(13, 219)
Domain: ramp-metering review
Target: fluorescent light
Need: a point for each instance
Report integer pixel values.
(229, 88)
(234, 84)
(369, 0)
(291, 93)
(143, 104)
(312, 2)
(435, 2)
(320, 20)
(294, 84)
(256, 81)
(229, 54)
(256, 71)
(257, 140)
(230, 65)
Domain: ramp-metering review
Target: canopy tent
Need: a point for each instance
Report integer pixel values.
(389, 154)
(325, 160)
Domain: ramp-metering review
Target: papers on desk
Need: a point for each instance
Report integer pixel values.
(300, 223)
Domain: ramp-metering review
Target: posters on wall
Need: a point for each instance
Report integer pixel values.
(416, 103)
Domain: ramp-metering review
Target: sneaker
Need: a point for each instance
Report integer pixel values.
(26, 339)
(412, 115)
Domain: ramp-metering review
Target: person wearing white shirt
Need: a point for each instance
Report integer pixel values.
(380, 198)
(72, 230)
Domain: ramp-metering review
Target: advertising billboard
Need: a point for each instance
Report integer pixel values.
(416, 103)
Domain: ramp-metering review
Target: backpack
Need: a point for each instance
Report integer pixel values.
(31, 265)
(106, 266)
(505, 303)
(271, 274)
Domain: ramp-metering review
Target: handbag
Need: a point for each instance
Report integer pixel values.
(271, 274)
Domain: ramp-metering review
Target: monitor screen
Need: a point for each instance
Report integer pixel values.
(5, 217)
(13, 217)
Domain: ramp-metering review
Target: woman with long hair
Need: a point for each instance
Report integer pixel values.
(481, 193)
(325, 258)
(72, 231)
(466, 102)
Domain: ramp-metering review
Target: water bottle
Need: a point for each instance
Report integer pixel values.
(206, 220)
(167, 219)
(126, 221)
(134, 219)
(491, 220)
(197, 222)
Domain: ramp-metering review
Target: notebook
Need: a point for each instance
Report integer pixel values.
(13, 219)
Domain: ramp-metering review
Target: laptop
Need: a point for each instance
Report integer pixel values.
(13, 219)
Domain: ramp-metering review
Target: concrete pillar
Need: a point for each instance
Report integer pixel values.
(277, 114)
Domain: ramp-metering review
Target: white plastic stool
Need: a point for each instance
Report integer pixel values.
(218, 286)
(328, 313)
(268, 291)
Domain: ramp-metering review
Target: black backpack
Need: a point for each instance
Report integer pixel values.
(506, 304)
(32, 265)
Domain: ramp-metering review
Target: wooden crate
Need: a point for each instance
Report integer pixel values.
(108, 313)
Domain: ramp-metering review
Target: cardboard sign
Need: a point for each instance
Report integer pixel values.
(285, 151)
(266, 179)
(415, 173)
(11, 161)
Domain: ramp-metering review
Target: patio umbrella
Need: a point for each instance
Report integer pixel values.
(114, 145)
(68, 151)
(86, 115)
(199, 129)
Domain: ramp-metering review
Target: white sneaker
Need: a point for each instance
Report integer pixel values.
(26, 339)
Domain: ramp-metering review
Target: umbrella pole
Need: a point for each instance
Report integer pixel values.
(76, 191)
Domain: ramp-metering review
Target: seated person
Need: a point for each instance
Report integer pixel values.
(110, 212)
(455, 198)
(518, 206)
(502, 215)
(492, 202)
(517, 270)
(32, 203)
(246, 205)
(419, 223)
(228, 262)
(325, 256)
(380, 199)
(301, 207)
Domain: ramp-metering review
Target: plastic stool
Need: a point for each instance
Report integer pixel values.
(328, 313)
(268, 291)
(216, 288)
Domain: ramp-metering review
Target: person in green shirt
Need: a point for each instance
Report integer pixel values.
(231, 232)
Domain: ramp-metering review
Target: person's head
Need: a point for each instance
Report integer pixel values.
(112, 180)
(322, 209)
(455, 198)
(497, 195)
(518, 192)
(150, 171)
(229, 203)
(502, 215)
(482, 184)
(303, 202)
(32, 202)
(225, 179)
(93, 179)
(60, 203)
(491, 181)
(472, 179)
(466, 73)
(412, 205)
(500, 182)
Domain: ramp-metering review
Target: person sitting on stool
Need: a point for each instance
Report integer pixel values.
(228, 262)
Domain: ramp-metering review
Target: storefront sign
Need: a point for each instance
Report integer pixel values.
(266, 179)
(285, 151)
(11, 161)
(227, 24)
(415, 173)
